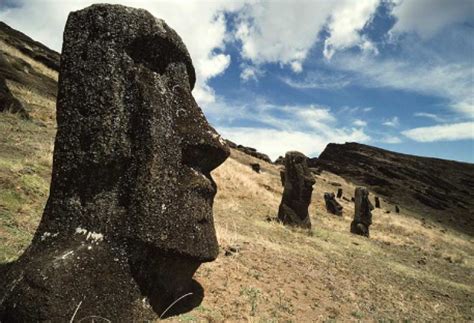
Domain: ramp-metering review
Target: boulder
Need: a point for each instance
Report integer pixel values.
(298, 186)
(255, 167)
(362, 212)
(129, 216)
(8, 103)
(280, 160)
(332, 206)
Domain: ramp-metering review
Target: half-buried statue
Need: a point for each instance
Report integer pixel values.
(129, 216)
(298, 184)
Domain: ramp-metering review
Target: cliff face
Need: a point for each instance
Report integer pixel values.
(439, 188)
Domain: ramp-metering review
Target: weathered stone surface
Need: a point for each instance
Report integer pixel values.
(332, 206)
(129, 216)
(298, 186)
(339, 193)
(282, 177)
(362, 212)
(255, 167)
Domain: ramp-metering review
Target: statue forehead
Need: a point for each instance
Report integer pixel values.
(130, 30)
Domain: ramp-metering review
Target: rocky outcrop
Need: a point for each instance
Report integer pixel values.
(249, 151)
(412, 182)
(129, 216)
(298, 185)
(362, 212)
(332, 206)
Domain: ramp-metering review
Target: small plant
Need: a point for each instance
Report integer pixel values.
(253, 294)
(284, 304)
(357, 314)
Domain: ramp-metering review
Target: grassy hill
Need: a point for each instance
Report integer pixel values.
(412, 268)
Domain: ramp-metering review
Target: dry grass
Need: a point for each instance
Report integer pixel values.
(39, 67)
(40, 107)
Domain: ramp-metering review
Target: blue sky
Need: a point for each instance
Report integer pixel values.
(296, 75)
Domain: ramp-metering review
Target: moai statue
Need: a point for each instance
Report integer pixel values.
(377, 202)
(397, 209)
(362, 213)
(339, 193)
(129, 216)
(298, 186)
(332, 206)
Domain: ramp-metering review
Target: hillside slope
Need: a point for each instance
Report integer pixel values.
(412, 267)
(440, 189)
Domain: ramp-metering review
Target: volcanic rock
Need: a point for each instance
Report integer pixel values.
(129, 216)
(280, 160)
(255, 167)
(362, 212)
(298, 186)
(249, 151)
(8, 103)
(332, 206)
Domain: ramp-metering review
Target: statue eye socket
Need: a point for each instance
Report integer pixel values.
(157, 53)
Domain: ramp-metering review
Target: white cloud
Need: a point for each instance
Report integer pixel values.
(431, 116)
(276, 142)
(284, 31)
(202, 26)
(391, 140)
(453, 81)
(305, 128)
(447, 132)
(426, 17)
(392, 122)
(359, 123)
(250, 72)
(345, 24)
(318, 80)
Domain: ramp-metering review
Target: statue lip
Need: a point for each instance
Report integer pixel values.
(206, 186)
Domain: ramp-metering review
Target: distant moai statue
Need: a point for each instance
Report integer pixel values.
(377, 202)
(298, 186)
(332, 206)
(397, 209)
(339, 193)
(362, 212)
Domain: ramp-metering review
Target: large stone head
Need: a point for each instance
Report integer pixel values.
(133, 151)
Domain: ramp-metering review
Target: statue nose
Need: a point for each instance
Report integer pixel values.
(206, 154)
